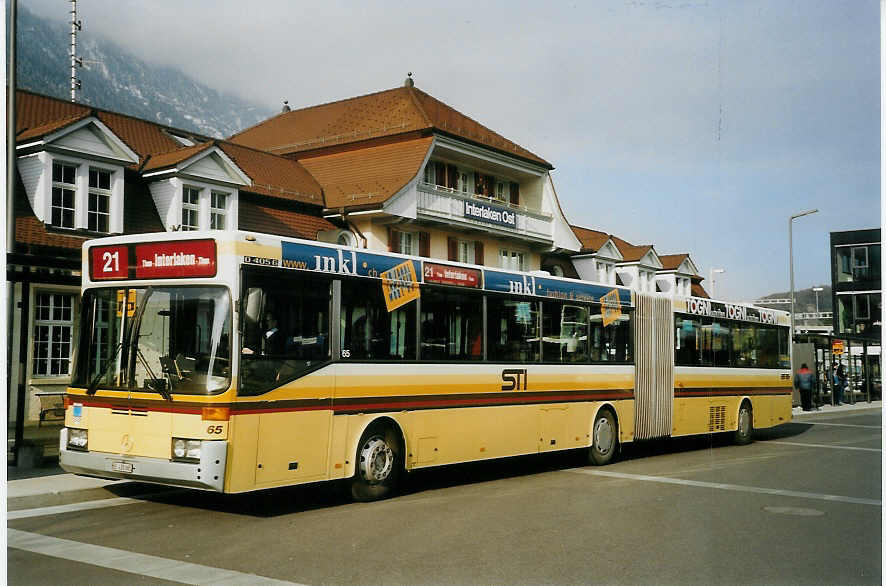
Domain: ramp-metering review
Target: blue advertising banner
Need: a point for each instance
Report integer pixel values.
(544, 287)
(491, 214)
(309, 257)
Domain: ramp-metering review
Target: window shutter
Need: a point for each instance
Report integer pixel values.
(393, 240)
(515, 193)
(453, 248)
(424, 244)
(478, 252)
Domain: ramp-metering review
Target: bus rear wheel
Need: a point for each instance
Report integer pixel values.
(379, 462)
(604, 438)
(744, 431)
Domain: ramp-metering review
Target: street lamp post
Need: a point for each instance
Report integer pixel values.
(715, 272)
(791, 260)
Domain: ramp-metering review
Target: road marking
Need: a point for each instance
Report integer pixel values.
(59, 509)
(84, 506)
(733, 487)
(841, 424)
(133, 563)
(825, 446)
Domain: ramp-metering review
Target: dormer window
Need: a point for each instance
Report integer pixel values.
(217, 210)
(190, 209)
(64, 191)
(99, 210)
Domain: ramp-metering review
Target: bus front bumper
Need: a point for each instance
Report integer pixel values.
(207, 474)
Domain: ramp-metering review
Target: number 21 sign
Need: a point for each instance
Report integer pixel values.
(109, 262)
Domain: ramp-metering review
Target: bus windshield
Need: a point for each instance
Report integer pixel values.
(156, 339)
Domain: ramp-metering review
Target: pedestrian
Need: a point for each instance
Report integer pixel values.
(839, 384)
(804, 380)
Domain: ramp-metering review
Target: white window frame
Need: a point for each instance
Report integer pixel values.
(72, 187)
(408, 243)
(514, 260)
(41, 197)
(53, 324)
(100, 193)
(465, 178)
(189, 206)
(467, 251)
(430, 172)
(218, 212)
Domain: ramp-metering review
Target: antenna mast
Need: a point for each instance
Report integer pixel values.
(75, 61)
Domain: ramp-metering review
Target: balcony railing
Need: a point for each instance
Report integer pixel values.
(448, 203)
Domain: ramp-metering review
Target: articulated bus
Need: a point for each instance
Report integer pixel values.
(235, 362)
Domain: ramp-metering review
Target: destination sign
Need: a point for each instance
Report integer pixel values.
(449, 275)
(185, 258)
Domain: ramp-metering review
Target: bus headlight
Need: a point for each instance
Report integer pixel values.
(77, 439)
(186, 450)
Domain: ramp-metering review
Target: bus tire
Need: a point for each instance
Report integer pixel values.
(604, 438)
(744, 430)
(378, 464)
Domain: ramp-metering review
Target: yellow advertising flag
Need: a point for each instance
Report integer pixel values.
(611, 307)
(130, 303)
(400, 285)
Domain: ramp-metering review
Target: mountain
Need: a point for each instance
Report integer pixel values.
(115, 79)
(804, 300)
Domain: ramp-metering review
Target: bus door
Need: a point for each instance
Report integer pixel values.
(284, 347)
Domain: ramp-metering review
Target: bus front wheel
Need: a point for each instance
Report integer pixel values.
(604, 440)
(378, 464)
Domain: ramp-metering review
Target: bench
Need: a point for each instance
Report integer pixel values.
(52, 405)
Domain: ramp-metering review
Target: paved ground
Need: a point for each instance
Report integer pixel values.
(801, 505)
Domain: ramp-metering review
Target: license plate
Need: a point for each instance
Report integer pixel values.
(121, 467)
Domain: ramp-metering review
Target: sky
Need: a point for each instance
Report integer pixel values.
(697, 126)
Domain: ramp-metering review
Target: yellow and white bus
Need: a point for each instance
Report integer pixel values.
(235, 362)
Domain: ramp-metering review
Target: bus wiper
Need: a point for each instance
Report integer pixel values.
(133, 345)
(93, 385)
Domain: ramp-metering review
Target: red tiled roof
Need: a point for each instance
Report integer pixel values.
(630, 252)
(272, 175)
(698, 291)
(672, 262)
(275, 176)
(38, 115)
(368, 176)
(170, 159)
(272, 220)
(591, 240)
(382, 114)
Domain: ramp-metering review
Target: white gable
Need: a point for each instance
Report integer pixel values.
(214, 165)
(90, 138)
(609, 252)
(650, 259)
(687, 267)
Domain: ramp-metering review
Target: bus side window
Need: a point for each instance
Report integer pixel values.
(285, 330)
(369, 331)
